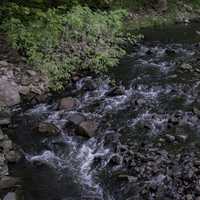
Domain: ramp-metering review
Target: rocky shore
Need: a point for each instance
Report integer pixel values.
(18, 84)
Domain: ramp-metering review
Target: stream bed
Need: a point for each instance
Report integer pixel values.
(147, 136)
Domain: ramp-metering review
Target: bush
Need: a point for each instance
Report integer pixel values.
(60, 43)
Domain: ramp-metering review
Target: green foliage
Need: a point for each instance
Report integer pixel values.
(60, 43)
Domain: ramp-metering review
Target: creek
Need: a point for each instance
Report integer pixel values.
(148, 137)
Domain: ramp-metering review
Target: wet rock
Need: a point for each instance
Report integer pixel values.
(170, 138)
(76, 118)
(182, 138)
(68, 103)
(117, 91)
(10, 196)
(9, 93)
(87, 128)
(48, 128)
(7, 182)
(5, 117)
(186, 66)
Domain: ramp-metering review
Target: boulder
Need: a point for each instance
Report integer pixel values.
(181, 138)
(7, 182)
(68, 103)
(10, 196)
(48, 128)
(9, 93)
(87, 128)
(76, 118)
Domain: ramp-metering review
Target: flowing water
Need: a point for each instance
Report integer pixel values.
(147, 143)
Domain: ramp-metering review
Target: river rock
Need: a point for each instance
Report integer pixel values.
(181, 138)
(48, 128)
(87, 128)
(7, 182)
(9, 93)
(68, 103)
(76, 118)
(10, 196)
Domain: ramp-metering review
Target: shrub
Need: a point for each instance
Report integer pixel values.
(60, 43)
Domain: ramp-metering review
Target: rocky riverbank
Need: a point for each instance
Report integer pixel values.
(19, 84)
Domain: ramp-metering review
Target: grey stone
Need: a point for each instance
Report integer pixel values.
(7, 182)
(182, 138)
(68, 103)
(9, 93)
(87, 128)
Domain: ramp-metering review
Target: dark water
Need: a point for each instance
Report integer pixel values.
(149, 133)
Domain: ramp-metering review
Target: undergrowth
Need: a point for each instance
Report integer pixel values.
(61, 42)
